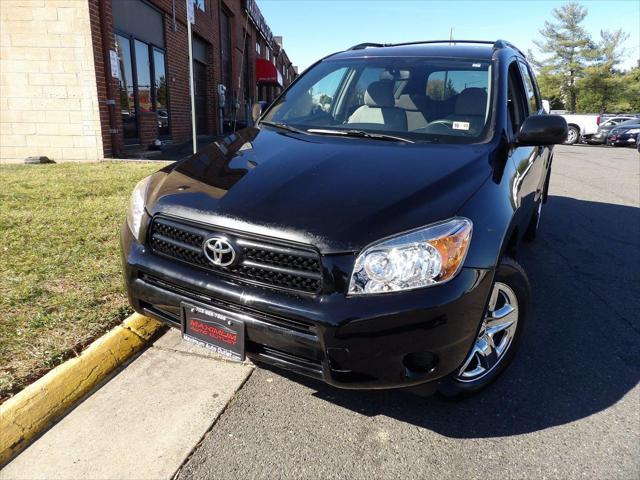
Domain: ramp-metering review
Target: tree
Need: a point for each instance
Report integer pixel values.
(629, 100)
(601, 88)
(437, 90)
(610, 48)
(569, 47)
(550, 84)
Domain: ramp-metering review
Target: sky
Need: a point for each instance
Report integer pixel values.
(313, 28)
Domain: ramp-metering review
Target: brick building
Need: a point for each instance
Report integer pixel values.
(87, 79)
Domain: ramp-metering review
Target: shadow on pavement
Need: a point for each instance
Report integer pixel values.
(581, 351)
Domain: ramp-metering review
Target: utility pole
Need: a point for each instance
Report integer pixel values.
(191, 19)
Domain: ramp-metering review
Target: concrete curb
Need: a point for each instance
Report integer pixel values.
(43, 402)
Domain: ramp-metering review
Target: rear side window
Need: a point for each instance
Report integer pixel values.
(532, 98)
(442, 85)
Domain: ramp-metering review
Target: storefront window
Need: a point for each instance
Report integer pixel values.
(200, 4)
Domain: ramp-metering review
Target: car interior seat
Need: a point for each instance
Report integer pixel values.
(379, 108)
(414, 101)
(471, 107)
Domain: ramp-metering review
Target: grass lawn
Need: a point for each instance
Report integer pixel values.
(60, 276)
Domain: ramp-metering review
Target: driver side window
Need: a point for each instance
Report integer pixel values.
(516, 103)
(532, 96)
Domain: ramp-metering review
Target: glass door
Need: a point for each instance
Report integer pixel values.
(160, 97)
(200, 93)
(142, 85)
(126, 90)
(143, 76)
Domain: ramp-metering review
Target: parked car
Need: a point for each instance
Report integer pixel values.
(625, 134)
(581, 127)
(366, 239)
(163, 118)
(606, 126)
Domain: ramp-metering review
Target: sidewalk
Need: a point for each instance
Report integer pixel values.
(143, 423)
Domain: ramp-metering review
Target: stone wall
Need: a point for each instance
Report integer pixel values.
(48, 93)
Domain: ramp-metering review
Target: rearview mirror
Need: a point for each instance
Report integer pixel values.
(257, 110)
(542, 130)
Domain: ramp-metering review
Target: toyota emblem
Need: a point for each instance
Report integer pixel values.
(219, 251)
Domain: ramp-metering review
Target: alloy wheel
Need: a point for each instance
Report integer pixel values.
(495, 336)
(572, 136)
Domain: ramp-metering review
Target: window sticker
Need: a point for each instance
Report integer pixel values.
(461, 125)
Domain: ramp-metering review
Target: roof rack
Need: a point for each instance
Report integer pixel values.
(498, 44)
(504, 44)
(362, 46)
(488, 42)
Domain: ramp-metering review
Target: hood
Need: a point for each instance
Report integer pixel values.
(338, 194)
(619, 129)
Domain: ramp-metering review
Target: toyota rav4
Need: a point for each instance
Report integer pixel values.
(363, 232)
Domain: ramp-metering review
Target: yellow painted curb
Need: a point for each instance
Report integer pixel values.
(46, 400)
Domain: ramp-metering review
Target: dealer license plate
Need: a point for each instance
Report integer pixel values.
(214, 329)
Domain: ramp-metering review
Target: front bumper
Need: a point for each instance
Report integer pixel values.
(386, 341)
(623, 140)
(597, 138)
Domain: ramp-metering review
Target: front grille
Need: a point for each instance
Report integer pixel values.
(263, 262)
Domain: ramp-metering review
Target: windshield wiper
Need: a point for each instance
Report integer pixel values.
(284, 126)
(359, 133)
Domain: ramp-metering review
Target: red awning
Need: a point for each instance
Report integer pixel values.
(266, 73)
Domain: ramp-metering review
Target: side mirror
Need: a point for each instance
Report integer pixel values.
(546, 106)
(257, 110)
(542, 130)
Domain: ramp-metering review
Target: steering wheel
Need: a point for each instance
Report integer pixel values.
(444, 121)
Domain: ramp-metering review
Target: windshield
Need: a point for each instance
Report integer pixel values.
(422, 99)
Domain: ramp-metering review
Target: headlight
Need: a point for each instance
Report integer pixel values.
(633, 130)
(424, 257)
(136, 206)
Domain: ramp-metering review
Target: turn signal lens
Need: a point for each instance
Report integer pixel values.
(421, 258)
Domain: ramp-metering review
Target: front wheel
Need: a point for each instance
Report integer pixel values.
(573, 135)
(498, 335)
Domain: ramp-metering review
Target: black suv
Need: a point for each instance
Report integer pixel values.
(363, 232)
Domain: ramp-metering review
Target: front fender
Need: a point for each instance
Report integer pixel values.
(492, 210)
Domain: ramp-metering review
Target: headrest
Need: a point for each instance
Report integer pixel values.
(415, 86)
(380, 94)
(471, 101)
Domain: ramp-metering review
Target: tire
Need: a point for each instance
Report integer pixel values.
(510, 285)
(573, 135)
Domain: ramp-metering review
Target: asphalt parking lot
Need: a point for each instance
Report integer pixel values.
(568, 407)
